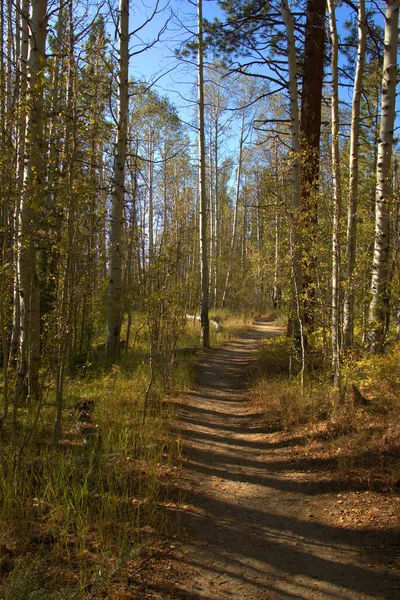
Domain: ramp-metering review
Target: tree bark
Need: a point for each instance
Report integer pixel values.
(236, 211)
(337, 198)
(117, 216)
(348, 303)
(379, 309)
(297, 315)
(33, 185)
(205, 324)
(66, 300)
(310, 125)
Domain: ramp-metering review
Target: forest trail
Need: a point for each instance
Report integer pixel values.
(254, 526)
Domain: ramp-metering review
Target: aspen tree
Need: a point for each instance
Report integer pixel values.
(379, 309)
(337, 200)
(295, 158)
(29, 360)
(67, 292)
(7, 131)
(21, 82)
(117, 216)
(348, 302)
(204, 273)
(236, 206)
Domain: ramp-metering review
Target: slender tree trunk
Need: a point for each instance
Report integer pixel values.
(117, 216)
(216, 215)
(21, 15)
(297, 315)
(33, 188)
(337, 198)
(379, 309)
(348, 303)
(236, 212)
(65, 314)
(151, 203)
(276, 287)
(205, 324)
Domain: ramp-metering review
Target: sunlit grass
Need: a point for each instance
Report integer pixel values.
(357, 426)
(100, 493)
(71, 516)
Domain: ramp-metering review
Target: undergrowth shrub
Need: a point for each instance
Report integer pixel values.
(102, 493)
(379, 374)
(24, 583)
(102, 490)
(358, 425)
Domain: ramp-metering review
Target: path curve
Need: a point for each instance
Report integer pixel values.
(250, 525)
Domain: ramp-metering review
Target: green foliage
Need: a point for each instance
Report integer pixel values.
(357, 427)
(102, 490)
(379, 374)
(25, 583)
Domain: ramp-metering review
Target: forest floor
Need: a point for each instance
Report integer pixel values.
(259, 519)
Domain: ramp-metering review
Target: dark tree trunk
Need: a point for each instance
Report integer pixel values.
(310, 126)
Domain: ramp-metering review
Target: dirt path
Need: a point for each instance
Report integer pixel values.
(254, 526)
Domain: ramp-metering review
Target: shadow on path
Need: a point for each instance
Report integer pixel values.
(250, 530)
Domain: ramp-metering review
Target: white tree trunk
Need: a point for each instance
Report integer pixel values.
(33, 184)
(236, 210)
(21, 79)
(337, 197)
(205, 325)
(379, 310)
(65, 312)
(117, 216)
(296, 178)
(348, 303)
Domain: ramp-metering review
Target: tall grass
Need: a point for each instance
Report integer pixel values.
(100, 494)
(74, 515)
(231, 326)
(358, 426)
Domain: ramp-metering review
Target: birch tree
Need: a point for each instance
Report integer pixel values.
(33, 185)
(295, 160)
(204, 274)
(117, 216)
(337, 193)
(348, 303)
(238, 182)
(379, 309)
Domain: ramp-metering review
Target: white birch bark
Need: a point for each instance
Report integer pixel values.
(205, 325)
(296, 178)
(216, 214)
(337, 197)
(348, 303)
(29, 360)
(151, 203)
(21, 15)
(378, 310)
(117, 216)
(65, 314)
(236, 210)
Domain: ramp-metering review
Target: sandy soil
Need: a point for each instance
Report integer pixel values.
(257, 524)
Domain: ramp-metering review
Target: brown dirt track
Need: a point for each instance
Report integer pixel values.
(259, 524)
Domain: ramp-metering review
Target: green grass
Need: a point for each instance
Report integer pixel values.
(72, 516)
(362, 436)
(101, 492)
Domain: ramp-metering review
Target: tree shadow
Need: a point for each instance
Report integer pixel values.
(278, 553)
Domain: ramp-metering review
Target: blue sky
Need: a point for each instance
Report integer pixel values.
(158, 64)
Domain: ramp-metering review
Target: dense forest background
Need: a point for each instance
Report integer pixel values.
(122, 216)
